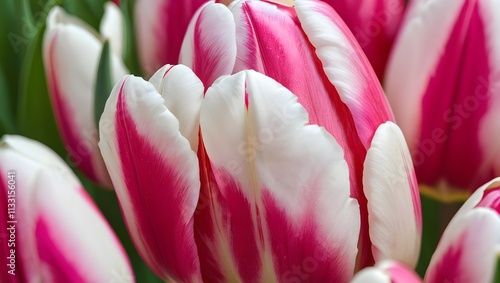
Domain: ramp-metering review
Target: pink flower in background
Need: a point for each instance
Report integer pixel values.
(309, 50)
(442, 83)
(468, 249)
(374, 23)
(71, 53)
(160, 26)
(60, 235)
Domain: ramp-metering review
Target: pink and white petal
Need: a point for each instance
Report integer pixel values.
(387, 271)
(414, 59)
(488, 134)
(112, 28)
(209, 47)
(73, 239)
(478, 198)
(160, 28)
(346, 66)
(390, 186)
(257, 40)
(29, 159)
(71, 55)
(467, 251)
(374, 24)
(288, 178)
(157, 78)
(183, 93)
(156, 177)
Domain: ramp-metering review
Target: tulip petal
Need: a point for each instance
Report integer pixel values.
(112, 27)
(19, 153)
(467, 251)
(345, 66)
(390, 186)
(209, 47)
(283, 187)
(444, 96)
(61, 236)
(419, 45)
(374, 24)
(71, 55)
(183, 93)
(386, 271)
(160, 27)
(156, 177)
(489, 136)
(74, 241)
(480, 198)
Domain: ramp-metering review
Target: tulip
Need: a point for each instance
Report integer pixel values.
(259, 194)
(468, 249)
(386, 271)
(59, 233)
(441, 81)
(374, 24)
(160, 28)
(310, 51)
(71, 53)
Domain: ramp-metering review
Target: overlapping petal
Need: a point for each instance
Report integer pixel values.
(154, 170)
(209, 47)
(374, 23)
(61, 235)
(467, 251)
(71, 55)
(442, 83)
(390, 186)
(160, 27)
(386, 271)
(282, 188)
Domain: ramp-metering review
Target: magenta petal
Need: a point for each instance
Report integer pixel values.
(374, 23)
(286, 179)
(209, 47)
(441, 83)
(160, 29)
(467, 251)
(156, 177)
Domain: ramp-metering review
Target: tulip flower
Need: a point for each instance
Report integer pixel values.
(59, 235)
(310, 51)
(374, 24)
(160, 28)
(386, 271)
(441, 81)
(71, 53)
(468, 249)
(260, 194)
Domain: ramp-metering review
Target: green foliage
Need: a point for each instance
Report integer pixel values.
(35, 116)
(104, 83)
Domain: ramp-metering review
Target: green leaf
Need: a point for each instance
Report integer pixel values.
(497, 271)
(436, 215)
(130, 56)
(90, 11)
(35, 116)
(104, 82)
(7, 125)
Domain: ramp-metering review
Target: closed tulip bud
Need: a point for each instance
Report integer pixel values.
(59, 233)
(442, 82)
(71, 53)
